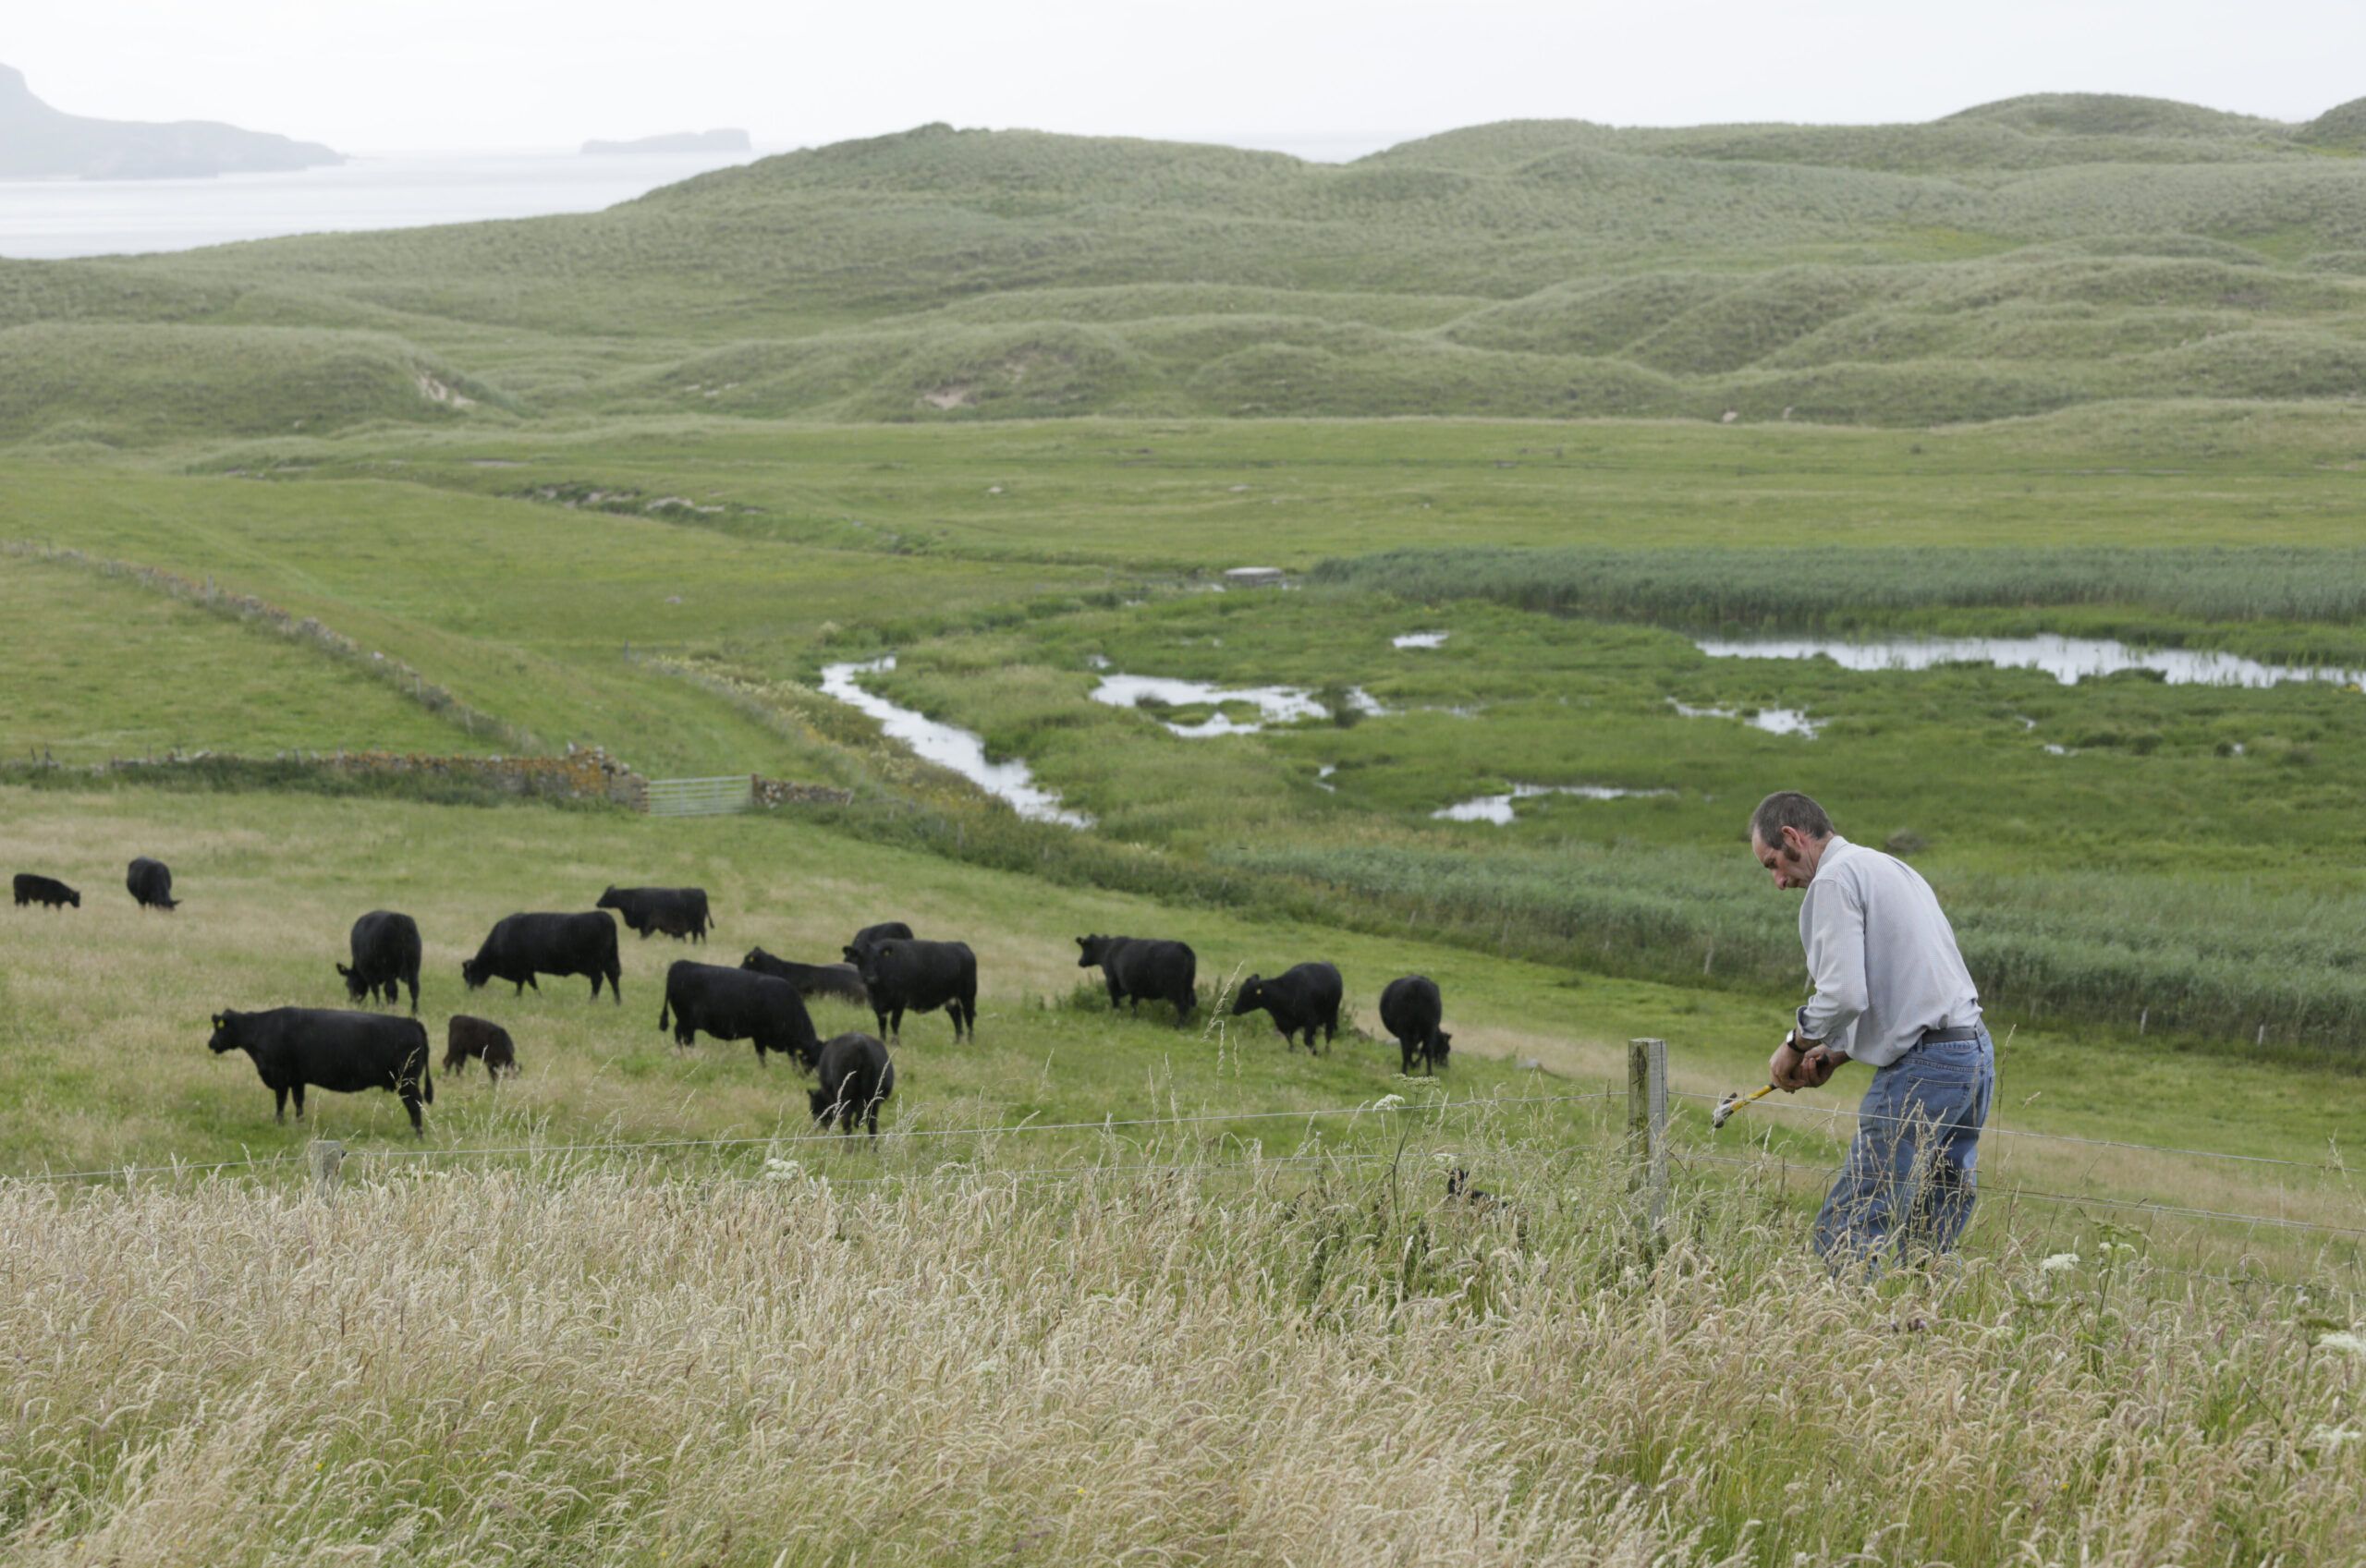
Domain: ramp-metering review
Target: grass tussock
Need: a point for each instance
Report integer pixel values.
(1276, 1363)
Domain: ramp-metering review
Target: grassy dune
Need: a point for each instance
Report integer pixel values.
(1982, 267)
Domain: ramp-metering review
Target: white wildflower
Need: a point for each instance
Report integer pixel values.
(2351, 1341)
(1388, 1102)
(779, 1170)
(2061, 1262)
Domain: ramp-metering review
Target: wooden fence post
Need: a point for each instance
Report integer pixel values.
(1647, 1128)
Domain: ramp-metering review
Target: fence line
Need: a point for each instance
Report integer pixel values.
(1838, 1110)
(1106, 1124)
(2140, 1205)
(1373, 1109)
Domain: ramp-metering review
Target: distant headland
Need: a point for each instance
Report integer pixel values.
(679, 141)
(40, 142)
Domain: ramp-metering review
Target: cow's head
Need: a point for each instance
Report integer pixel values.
(611, 899)
(1251, 996)
(1441, 1044)
(1093, 947)
(870, 955)
(225, 1033)
(474, 971)
(74, 898)
(821, 1102)
(355, 986)
(757, 958)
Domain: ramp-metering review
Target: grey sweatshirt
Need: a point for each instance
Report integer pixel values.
(1882, 955)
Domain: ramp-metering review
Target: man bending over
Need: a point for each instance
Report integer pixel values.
(1891, 992)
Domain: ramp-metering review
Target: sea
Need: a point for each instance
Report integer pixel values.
(56, 218)
(47, 219)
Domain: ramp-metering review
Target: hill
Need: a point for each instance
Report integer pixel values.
(2014, 258)
(40, 142)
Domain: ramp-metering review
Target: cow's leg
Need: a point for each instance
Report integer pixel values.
(413, 983)
(899, 1024)
(409, 1091)
(1117, 993)
(279, 1094)
(616, 986)
(872, 1115)
(299, 1091)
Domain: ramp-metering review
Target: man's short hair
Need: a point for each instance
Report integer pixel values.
(1789, 808)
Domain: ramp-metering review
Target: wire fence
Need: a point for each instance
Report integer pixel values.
(1379, 1109)
(2333, 1165)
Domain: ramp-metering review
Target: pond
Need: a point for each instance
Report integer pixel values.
(1498, 809)
(1775, 721)
(1274, 704)
(949, 747)
(2068, 659)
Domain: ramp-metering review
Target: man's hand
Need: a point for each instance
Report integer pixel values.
(1786, 1069)
(1817, 1067)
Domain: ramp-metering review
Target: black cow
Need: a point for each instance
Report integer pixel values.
(678, 912)
(32, 889)
(385, 952)
(857, 1078)
(843, 982)
(1410, 1009)
(738, 1004)
(150, 882)
(1299, 1000)
(296, 1048)
(902, 975)
(1140, 967)
(521, 946)
(478, 1039)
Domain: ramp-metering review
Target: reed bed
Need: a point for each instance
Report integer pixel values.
(565, 1361)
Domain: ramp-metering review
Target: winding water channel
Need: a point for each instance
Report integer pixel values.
(949, 747)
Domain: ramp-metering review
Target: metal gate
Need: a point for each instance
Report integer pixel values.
(700, 798)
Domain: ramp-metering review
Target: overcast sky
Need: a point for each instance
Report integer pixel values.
(420, 74)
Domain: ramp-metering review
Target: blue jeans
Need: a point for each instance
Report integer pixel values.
(1911, 1174)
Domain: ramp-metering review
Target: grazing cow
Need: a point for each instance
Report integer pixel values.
(32, 889)
(870, 936)
(857, 1078)
(386, 951)
(843, 982)
(676, 912)
(903, 975)
(1300, 1001)
(299, 1048)
(521, 946)
(467, 1040)
(150, 882)
(1410, 1009)
(738, 1004)
(1139, 967)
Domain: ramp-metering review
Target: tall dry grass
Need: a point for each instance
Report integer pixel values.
(567, 1363)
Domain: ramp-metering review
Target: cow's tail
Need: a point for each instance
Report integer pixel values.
(426, 1073)
(665, 1010)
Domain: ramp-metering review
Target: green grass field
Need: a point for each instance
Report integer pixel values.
(1005, 405)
